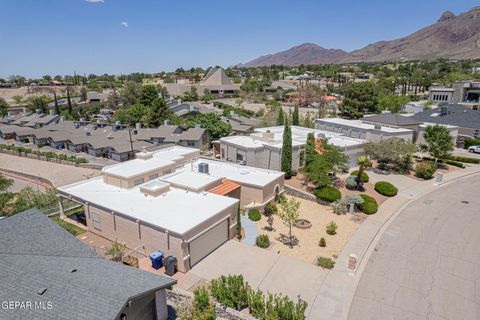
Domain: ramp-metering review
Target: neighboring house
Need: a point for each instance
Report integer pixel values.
(96, 97)
(172, 200)
(466, 93)
(362, 130)
(394, 120)
(35, 119)
(216, 82)
(466, 119)
(55, 276)
(263, 148)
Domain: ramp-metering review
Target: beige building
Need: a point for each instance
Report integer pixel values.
(173, 201)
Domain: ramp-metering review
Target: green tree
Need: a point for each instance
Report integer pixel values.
(213, 123)
(286, 161)
(83, 94)
(130, 93)
(158, 113)
(281, 117)
(17, 99)
(207, 96)
(392, 103)
(57, 108)
(3, 107)
(295, 117)
(288, 213)
(137, 113)
(40, 103)
(390, 151)
(5, 183)
(359, 98)
(439, 142)
(148, 94)
(69, 101)
(363, 163)
(310, 149)
(116, 251)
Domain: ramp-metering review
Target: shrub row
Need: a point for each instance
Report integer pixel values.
(386, 188)
(328, 194)
(468, 142)
(232, 291)
(369, 205)
(364, 177)
(48, 155)
(464, 159)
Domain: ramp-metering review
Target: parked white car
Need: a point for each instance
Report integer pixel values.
(475, 149)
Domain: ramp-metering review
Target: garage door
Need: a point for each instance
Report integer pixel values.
(208, 242)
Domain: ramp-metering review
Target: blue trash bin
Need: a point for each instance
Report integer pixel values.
(156, 258)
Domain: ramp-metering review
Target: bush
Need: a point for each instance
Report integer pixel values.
(351, 182)
(254, 215)
(464, 159)
(353, 199)
(322, 243)
(425, 169)
(231, 291)
(339, 207)
(332, 228)
(369, 205)
(386, 188)
(454, 163)
(328, 194)
(262, 241)
(364, 177)
(271, 208)
(201, 307)
(325, 263)
(468, 142)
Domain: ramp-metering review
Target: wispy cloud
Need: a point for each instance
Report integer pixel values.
(124, 24)
(94, 1)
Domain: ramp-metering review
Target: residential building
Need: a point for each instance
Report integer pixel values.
(215, 81)
(96, 97)
(362, 130)
(55, 276)
(466, 93)
(394, 120)
(263, 148)
(172, 200)
(30, 119)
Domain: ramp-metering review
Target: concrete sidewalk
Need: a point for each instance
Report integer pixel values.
(335, 296)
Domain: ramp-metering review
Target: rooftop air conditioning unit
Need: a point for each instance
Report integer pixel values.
(203, 167)
(77, 125)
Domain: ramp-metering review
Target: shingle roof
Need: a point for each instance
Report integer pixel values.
(391, 119)
(37, 255)
(455, 115)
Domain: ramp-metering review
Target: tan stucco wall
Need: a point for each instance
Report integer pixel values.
(129, 183)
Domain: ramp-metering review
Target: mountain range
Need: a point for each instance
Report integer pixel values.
(453, 37)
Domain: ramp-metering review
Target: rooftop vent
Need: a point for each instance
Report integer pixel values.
(144, 154)
(378, 127)
(52, 112)
(203, 167)
(138, 126)
(38, 111)
(88, 133)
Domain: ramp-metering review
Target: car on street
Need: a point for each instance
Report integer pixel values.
(475, 149)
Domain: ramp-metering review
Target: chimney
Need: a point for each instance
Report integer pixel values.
(117, 123)
(138, 126)
(62, 118)
(24, 110)
(9, 114)
(52, 112)
(166, 122)
(38, 111)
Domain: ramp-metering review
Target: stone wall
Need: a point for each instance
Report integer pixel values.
(303, 195)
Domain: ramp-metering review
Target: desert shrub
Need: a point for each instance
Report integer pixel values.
(262, 241)
(386, 188)
(254, 215)
(369, 205)
(278, 306)
(353, 199)
(325, 263)
(256, 303)
(322, 243)
(425, 169)
(271, 208)
(351, 182)
(231, 291)
(328, 194)
(339, 207)
(364, 177)
(332, 228)
(201, 307)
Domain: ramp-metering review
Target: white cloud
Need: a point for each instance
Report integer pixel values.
(124, 23)
(94, 1)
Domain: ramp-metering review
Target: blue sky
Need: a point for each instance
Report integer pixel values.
(59, 36)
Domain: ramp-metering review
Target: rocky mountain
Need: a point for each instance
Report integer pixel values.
(454, 37)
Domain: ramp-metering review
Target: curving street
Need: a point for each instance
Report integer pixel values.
(427, 263)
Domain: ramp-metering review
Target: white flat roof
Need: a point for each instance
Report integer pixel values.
(238, 173)
(176, 210)
(174, 153)
(135, 167)
(362, 125)
(190, 179)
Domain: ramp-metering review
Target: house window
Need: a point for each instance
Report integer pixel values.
(477, 133)
(153, 176)
(191, 143)
(239, 157)
(138, 181)
(96, 221)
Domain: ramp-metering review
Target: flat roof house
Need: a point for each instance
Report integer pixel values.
(56, 276)
(163, 201)
(263, 148)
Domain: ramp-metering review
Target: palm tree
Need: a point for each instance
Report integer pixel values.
(363, 163)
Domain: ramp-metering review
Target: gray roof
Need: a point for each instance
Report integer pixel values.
(456, 115)
(38, 256)
(391, 119)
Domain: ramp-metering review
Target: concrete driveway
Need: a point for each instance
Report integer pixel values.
(425, 265)
(263, 269)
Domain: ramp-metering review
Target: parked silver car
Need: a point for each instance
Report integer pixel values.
(475, 149)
